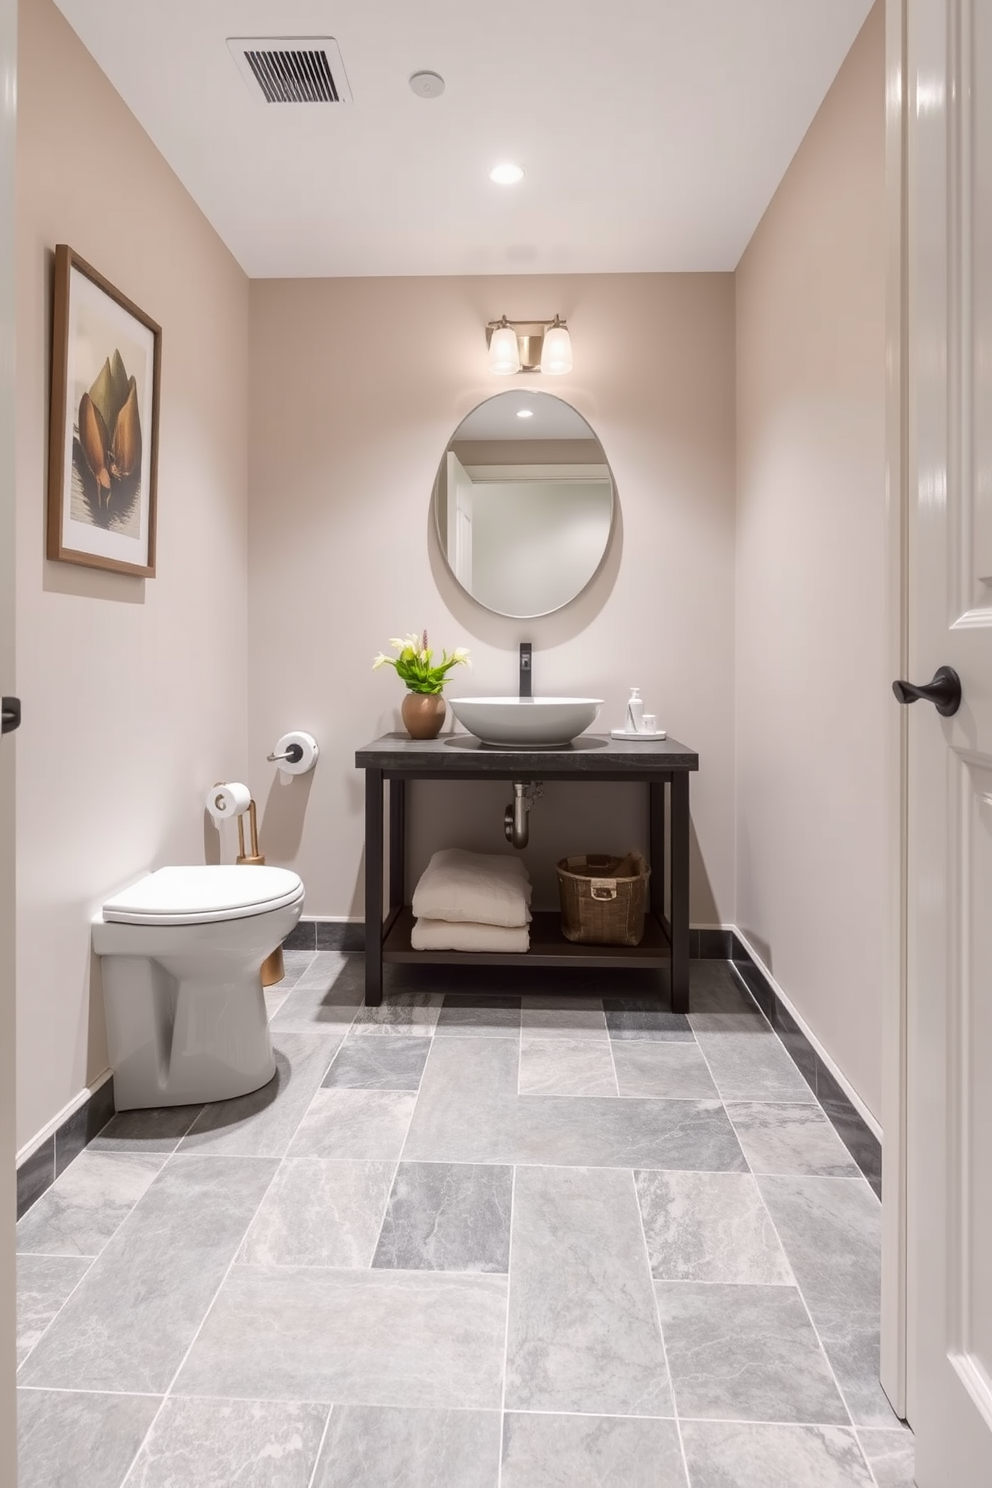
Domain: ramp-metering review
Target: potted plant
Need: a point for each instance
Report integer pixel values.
(423, 707)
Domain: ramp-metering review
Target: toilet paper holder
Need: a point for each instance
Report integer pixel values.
(296, 753)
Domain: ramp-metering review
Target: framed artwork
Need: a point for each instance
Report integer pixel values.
(103, 438)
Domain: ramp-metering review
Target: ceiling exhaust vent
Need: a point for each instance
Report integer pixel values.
(291, 69)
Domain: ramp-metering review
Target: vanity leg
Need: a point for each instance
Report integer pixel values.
(373, 887)
(680, 891)
(656, 847)
(397, 844)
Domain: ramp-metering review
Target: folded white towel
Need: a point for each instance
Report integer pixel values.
(442, 935)
(485, 888)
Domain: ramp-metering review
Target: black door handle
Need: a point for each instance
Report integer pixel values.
(11, 715)
(944, 691)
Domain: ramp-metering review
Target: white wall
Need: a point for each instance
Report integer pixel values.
(812, 682)
(348, 423)
(8, 115)
(134, 690)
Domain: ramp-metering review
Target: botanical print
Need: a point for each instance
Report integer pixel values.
(106, 446)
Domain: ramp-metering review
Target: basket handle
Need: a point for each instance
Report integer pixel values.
(603, 888)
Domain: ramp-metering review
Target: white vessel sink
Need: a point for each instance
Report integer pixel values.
(526, 723)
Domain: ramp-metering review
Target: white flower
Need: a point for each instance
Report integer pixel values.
(460, 653)
(378, 661)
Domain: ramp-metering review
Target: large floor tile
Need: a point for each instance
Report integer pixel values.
(546, 1451)
(83, 1208)
(355, 1124)
(372, 1446)
(158, 1129)
(747, 1060)
(223, 1443)
(262, 1124)
(891, 1456)
(68, 1438)
(733, 1455)
(645, 1019)
(320, 1213)
(132, 1317)
(566, 1067)
(447, 1217)
(354, 1337)
(44, 1284)
(745, 1353)
(582, 1333)
(709, 1227)
(662, 1070)
(410, 1013)
(378, 1064)
(796, 1139)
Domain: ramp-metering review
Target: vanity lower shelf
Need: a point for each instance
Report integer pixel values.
(548, 947)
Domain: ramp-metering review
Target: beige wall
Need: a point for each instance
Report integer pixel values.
(134, 691)
(357, 387)
(812, 684)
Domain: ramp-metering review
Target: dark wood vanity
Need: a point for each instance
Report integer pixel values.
(395, 759)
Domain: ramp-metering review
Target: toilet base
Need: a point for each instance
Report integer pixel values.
(177, 1041)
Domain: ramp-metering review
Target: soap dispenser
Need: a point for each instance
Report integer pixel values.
(634, 722)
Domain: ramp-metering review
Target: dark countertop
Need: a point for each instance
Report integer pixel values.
(463, 754)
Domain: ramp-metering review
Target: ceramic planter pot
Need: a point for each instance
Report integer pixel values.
(423, 714)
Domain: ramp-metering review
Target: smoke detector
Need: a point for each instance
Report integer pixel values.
(291, 69)
(427, 84)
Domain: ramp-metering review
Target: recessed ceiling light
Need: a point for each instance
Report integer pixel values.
(525, 413)
(506, 174)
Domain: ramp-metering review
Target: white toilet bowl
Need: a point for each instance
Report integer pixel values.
(181, 952)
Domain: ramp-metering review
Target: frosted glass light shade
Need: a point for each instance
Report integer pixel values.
(504, 353)
(556, 356)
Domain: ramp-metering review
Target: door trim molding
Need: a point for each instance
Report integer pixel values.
(894, 1369)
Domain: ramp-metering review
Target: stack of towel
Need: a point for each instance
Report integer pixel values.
(472, 902)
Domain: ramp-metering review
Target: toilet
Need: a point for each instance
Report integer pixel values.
(181, 955)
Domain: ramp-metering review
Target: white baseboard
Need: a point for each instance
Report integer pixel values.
(52, 1126)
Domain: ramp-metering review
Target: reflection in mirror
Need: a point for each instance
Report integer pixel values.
(523, 503)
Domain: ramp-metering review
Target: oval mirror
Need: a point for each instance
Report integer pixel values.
(523, 504)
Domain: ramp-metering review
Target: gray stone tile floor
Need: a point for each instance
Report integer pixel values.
(467, 1240)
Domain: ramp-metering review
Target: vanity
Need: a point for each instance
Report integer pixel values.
(524, 517)
(393, 760)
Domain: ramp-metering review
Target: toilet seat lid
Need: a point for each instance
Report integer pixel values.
(198, 895)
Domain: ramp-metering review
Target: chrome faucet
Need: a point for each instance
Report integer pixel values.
(526, 675)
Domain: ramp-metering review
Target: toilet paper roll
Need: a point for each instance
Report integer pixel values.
(232, 799)
(303, 746)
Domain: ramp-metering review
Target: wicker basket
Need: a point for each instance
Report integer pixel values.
(603, 898)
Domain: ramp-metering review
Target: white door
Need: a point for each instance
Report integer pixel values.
(949, 1091)
(8, 94)
(460, 497)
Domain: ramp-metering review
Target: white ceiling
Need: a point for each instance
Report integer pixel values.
(653, 132)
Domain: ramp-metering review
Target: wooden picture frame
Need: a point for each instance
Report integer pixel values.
(103, 430)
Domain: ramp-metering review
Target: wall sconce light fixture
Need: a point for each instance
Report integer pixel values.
(529, 346)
